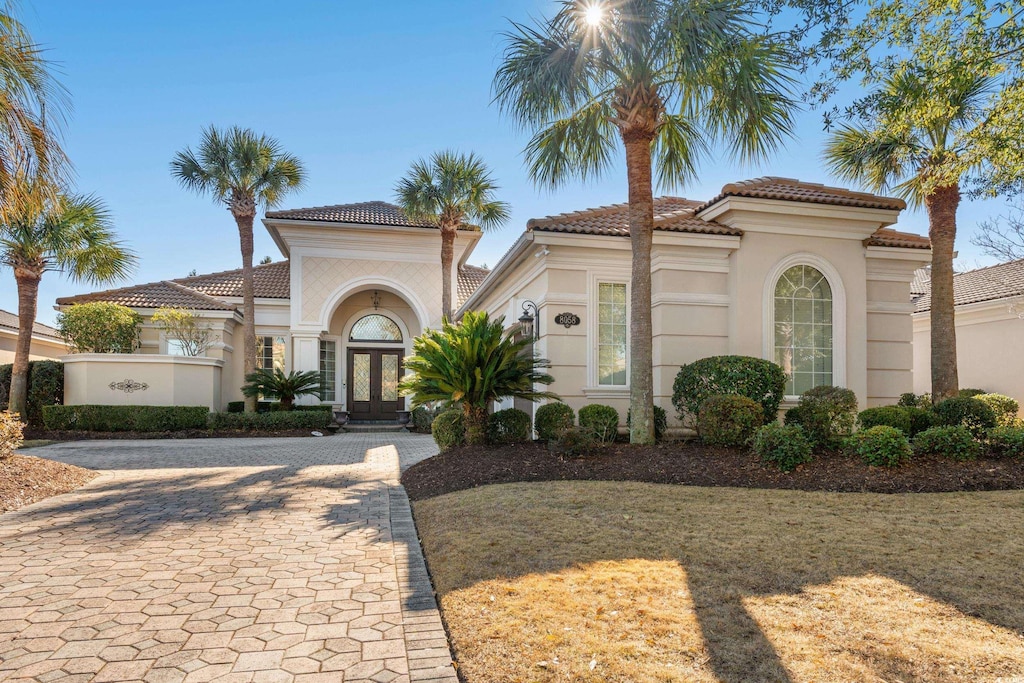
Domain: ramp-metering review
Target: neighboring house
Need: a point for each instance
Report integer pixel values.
(807, 275)
(46, 342)
(989, 329)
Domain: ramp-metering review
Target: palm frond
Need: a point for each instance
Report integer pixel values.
(580, 146)
(451, 187)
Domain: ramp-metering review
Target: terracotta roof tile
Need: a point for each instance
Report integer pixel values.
(270, 280)
(10, 321)
(919, 285)
(671, 214)
(886, 237)
(369, 213)
(469, 280)
(789, 189)
(1001, 281)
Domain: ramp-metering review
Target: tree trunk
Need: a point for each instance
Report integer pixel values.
(28, 293)
(641, 236)
(942, 204)
(448, 234)
(245, 238)
(476, 424)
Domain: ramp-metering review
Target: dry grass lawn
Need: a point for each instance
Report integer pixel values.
(605, 581)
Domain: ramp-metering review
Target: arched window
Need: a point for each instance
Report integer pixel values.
(803, 328)
(375, 328)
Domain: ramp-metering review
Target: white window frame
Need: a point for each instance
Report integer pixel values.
(593, 360)
(835, 282)
(339, 387)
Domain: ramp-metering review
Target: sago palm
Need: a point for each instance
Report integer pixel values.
(274, 384)
(44, 230)
(455, 191)
(915, 143)
(244, 171)
(474, 363)
(667, 80)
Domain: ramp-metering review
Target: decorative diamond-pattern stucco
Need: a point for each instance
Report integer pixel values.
(322, 276)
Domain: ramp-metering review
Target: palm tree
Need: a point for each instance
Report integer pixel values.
(244, 171)
(286, 388)
(916, 144)
(474, 364)
(47, 230)
(451, 189)
(668, 79)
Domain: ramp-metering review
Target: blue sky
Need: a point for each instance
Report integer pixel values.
(356, 89)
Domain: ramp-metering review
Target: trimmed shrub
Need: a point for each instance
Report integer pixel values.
(601, 421)
(1003, 407)
(45, 388)
(551, 419)
(827, 415)
(889, 416)
(784, 446)
(970, 393)
(950, 442)
(881, 446)
(11, 434)
(967, 412)
(912, 400)
(279, 420)
(758, 379)
(93, 418)
(236, 406)
(729, 420)
(1008, 441)
(508, 426)
(660, 422)
(100, 327)
(449, 429)
(421, 418)
(573, 442)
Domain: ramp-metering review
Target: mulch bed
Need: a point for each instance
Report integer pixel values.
(182, 434)
(692, 464)
(25, 480)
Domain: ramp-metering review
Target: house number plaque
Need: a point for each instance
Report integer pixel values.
(567, 320)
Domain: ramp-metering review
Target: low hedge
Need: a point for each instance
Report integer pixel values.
(273, 421)
(757, 379)
(955, 443)
(93, 418)
(1008, 441)
(273, 406)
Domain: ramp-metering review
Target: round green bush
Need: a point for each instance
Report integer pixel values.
(660, 422)
(508, 426)
(422, 419)
(449, 429)
(1004, 407)
(912, 400)
(552, 419)
(968, 412)
(827, 415)
(949, 442)
(881, 446)
(758, 379)
(970, 393)
(889, 416)
(601, 421)
(1008, 441)
(784, 446)
(573, 442)
(729, 420)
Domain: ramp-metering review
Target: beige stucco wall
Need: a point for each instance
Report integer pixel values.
(42, 349)
(169, 380)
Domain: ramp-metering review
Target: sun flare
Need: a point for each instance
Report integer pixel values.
(594, 14)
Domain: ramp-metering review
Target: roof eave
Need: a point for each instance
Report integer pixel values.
(508, 261)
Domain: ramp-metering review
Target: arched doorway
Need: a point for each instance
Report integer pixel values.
(375, 346)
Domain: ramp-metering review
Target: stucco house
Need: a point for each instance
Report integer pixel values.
(811, 276)
(47, 344)
(989, 329)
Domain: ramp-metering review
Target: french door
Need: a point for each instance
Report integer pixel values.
(373, 376)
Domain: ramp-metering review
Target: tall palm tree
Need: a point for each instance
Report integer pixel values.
(451, 189)
(916, 144)
(243, 170)
(47, 230)
(668, 79)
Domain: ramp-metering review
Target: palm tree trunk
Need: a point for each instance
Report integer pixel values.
(942, 204)
(641, 237)
(28, 294)
(476, 424)
(448, 234)
(245, 238)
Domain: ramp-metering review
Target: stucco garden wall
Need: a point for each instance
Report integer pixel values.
(142, 379)
(42, 349)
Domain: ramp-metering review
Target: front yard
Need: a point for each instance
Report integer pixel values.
(612, 581)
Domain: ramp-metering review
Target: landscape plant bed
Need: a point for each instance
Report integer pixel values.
(692, 464)
(71, 435)
(25, 479)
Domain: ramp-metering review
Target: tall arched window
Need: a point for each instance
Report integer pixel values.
(803, 328)
(375, 328)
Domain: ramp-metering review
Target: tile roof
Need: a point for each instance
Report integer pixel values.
(9, 321)
(368, 213)
(1001, 281)
(272, 281)
(469, 280)
(790, 189)
(919, 285)
(671, 214)
(887, 237)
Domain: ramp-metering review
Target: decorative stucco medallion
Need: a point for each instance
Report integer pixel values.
(128, 386)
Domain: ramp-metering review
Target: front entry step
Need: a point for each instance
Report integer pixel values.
(374, 428)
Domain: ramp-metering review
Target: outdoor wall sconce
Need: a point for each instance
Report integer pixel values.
(530, 315)
(376, 300)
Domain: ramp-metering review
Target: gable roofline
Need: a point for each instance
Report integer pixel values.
(794, 190)
(989, 284)
(9, 322)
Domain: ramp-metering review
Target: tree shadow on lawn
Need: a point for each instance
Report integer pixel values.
(740, 550)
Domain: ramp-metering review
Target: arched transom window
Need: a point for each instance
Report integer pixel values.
(375, 328)
(803, 328)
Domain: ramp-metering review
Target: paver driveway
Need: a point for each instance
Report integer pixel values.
(223, 559)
